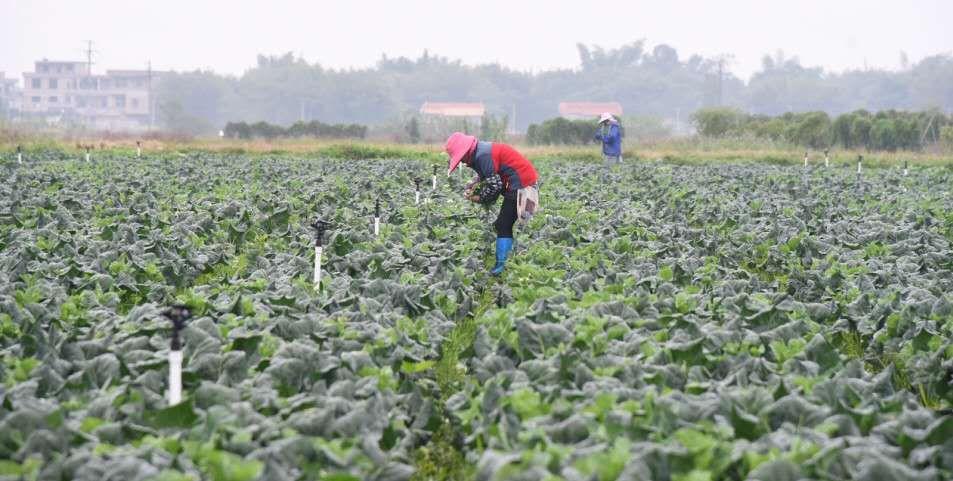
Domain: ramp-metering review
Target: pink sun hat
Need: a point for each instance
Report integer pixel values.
(458, 146)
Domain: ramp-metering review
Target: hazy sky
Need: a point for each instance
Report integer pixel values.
(225, 36)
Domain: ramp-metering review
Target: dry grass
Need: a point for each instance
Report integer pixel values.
(685, 150)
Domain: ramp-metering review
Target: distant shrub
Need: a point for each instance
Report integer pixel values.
(885, 130)
(718, 122)
(560, 131)
(315, 129)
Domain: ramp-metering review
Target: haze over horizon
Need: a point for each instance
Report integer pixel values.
(531, 36)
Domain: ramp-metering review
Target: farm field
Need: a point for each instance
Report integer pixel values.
(658, 321)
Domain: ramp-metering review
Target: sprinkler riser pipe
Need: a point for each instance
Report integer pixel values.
(19, 158)
(433, 182)
(416, 197)
(377, 226)
(138, 152)
(175, 377)
(317, 266)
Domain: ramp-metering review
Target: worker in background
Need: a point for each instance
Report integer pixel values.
(611, 136)
(501, 170)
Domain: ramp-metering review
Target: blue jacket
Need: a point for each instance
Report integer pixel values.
(611, 141)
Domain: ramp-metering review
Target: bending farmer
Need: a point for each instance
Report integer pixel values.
(502, 170)
(611, 137)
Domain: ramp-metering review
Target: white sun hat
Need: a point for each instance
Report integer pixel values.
(605, 116)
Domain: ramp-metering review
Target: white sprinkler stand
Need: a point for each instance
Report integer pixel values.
(138, 149)
(175, 377)
(377, 217)
(827, 158)
(178, 314)
(317, 266)
(860, 160)
(805, 159)
(87, 153)
(320, 227)
(433, 179)
(19, 155)
(906, 167)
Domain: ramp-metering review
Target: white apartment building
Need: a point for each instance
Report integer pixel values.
(69, 92)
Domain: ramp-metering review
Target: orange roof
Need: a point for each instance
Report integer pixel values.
(592, 109)
(452, 109)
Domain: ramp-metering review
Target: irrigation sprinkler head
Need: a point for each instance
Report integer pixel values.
(179, 314)
(18, 149)
(138, 143)
(377, 207)
(435, 170)
(417, 181)
(319, 226)
(826, 151)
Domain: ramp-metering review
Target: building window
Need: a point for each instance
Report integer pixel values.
(103, 101)
(52, 100)
(44, 68)
(54, 84)
(119, 100)
(135, 103)
(87, 84)
(35, 100)
(121, 83)
(69, 68)
(35, 83)
(80, 101)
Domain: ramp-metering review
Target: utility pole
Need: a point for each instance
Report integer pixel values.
(152, 106)
(721, 69)
(89, 57)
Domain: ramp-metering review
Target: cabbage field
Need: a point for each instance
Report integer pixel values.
(657, 322)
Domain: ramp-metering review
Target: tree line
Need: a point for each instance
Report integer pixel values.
(884, 130)
(314, 129)
(654, 82)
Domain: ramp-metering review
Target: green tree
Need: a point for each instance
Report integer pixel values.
(860, 132)
(174, 118)
(946, 136)
(413, 130)
(842, 130)
(813, 130)
(718, 122)
(883, 135)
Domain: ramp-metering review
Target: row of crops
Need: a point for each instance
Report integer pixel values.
(657, 322)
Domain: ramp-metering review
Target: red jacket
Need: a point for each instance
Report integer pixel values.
(516, 171)
(491, 159)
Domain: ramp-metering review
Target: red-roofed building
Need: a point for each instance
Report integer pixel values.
(588, 110)
(453, 109)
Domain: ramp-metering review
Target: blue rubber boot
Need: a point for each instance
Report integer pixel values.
(503, 246)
